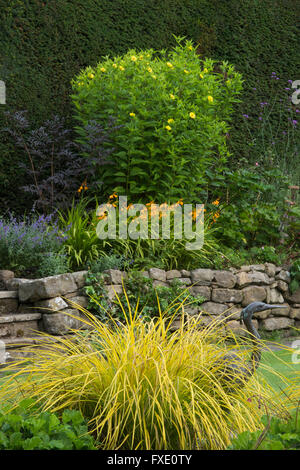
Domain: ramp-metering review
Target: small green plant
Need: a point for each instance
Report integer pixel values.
(52, 264)
(82, 244)
(278, 434)
(109, 261)
(28, 428)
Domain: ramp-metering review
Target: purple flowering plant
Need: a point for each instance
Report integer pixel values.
(32, 246)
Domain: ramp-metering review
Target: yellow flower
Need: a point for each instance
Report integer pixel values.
(168, 128)
(132, 114)
(170, 121)
(205, 70)
(121, 67)
(133, 58)
(149, 69)
(216, 202)
(103, 69)
(172, 96)
(115, 66)
(192, 115)
(186, 71)
(210, 98)
(91, 75)
(169, 65)
(141, 57)
(201, 76)
(190, 48)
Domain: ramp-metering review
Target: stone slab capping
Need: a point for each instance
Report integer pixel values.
(49, 304)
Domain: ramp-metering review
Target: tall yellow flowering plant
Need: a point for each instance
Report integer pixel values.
(173, 109)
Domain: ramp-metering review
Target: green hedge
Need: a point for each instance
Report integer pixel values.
(44, 44)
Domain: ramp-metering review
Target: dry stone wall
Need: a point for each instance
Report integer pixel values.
(44, 304)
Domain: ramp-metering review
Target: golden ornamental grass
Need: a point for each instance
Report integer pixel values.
(140, 385)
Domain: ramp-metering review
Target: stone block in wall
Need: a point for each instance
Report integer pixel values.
(46, 288)
(293, 298)
(274, 296)
(237, 328)
(278, 323)
(172, 274)
(226, 295)
(13, 284)
(244, 279)
(283, 276)
(192, 310)
(115, 276)
(80, 300)
(257, 267)
(50, 305)
(5, 276)
(245, 269)
(213, 308)
(204, 321)
(233, 313)
(295, 313)
(199, 276)
(282, 286)
(281, 312)
(158, 274)
(79, 278)
(185, 281)
(203, 291)
(8, 305)
(185, 273)
(19, 325)
(157, 283)
(225, 279)
(114, 289)
(253, 294)
(26, 308)
(270, 269)
(60, 323)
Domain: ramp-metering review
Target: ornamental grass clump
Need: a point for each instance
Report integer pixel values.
(173, 110)
(140, 385)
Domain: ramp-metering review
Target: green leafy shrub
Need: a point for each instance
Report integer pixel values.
(229, 257)
(108, 261)
(278, 434)
(27, 428)
(251, 206)
(173, 110)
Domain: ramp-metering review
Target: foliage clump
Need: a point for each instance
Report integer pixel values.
(173, 109)
(141, 386)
